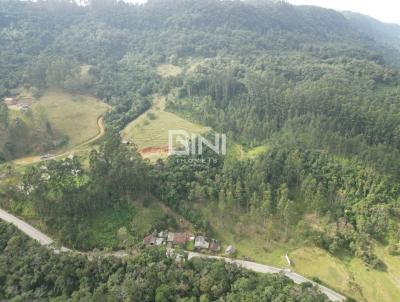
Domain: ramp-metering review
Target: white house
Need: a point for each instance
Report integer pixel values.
(201, 243)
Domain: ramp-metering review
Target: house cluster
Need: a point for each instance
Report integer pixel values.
(165, 237)
(181, 239)
(202, 243)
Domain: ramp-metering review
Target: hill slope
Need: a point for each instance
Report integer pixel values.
(58, 120)
(308, 98)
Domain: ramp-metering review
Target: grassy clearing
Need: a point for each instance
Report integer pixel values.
(148, 215)
(150, 130)
(347, 275)
(103, 227)
(252, 153)
(188, 67)
(73, 116)
(378, 285)
(168, 70)
(193, 64)
(154, 212)
(84, 72)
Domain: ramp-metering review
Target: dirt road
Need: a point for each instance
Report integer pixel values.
(79, 148)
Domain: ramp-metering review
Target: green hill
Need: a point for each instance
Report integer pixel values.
(308, 98)
(57, 121)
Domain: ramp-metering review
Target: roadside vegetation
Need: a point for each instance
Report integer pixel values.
(309, 104)
(148, 276)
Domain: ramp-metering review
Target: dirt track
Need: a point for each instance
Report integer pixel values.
(35, 159)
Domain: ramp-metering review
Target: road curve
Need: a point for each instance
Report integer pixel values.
(29, 160)
(256, 267)
(266, 269)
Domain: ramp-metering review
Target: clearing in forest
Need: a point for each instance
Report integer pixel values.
(168, 70)
(343, 273)
(150, 130)
(73, 116)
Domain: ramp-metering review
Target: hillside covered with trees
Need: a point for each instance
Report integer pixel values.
(317, 91)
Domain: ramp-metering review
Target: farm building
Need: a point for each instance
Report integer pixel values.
(201, 243)
(177, 238)
(214, 246)
(164, 237)
(149, 240)
(230, 250)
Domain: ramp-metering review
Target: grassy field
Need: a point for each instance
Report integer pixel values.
(168, 70)
(138, 219)
(73, 116)
(150, 130)
(103, 227)
(347, 275)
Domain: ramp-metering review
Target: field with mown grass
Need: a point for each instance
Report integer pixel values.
(57, 122)
(150, 130)
(73, 116)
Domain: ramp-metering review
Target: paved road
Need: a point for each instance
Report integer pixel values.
(26, 228)
(266, 269)
(257, 267)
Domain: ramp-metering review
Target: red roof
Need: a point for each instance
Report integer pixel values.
(214, 246)
(149, 240)
(180, 238)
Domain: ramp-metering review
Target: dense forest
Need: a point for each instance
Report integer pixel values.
(318, 89)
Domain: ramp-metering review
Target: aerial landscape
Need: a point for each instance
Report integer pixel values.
(198, 150)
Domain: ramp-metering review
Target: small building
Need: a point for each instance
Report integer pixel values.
(160, 240)
(177, 238)
(230, 250)
(214, 246)
(201, 243)
(126, 142)
(149, 240)
(162, 234)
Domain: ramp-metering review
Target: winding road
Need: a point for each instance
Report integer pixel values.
(44, 240)
(256, 267)
(78, 148)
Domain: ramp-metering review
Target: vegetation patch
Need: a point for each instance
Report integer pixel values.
(150, 130)
(74, 116)
(344, 274)
(103, 227)
(168, 70)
